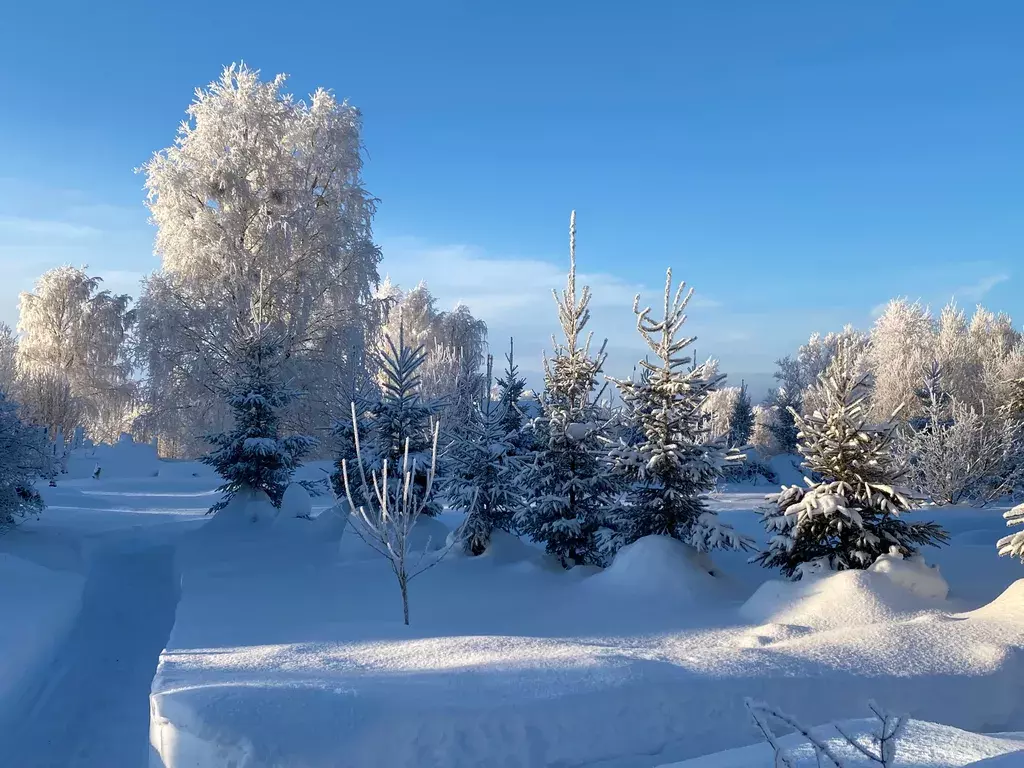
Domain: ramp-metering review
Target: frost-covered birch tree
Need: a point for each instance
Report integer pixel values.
(73, 356)
(257, 183)
(567, 484)
(673, 465)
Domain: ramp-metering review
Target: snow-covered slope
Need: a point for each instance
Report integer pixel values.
(923, 745)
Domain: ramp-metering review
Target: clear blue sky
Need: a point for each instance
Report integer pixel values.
(799, 163)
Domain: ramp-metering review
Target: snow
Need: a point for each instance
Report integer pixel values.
(924, 745)
(256, 647)
(289, 652)
(913, 574)
(296, 501)
(661, 566)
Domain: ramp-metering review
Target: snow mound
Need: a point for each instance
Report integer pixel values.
(428, 535)
(1009, 606)
(843, 599)
(913, 574)
(249, 507)
(924, 745)
(296, 501)
(660, 565)
(330, 524)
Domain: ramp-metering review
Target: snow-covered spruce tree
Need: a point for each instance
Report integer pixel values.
(511, 386)
(784, 402)
(402, 420)
(673, 464)
(742, 422)
(850, 513)
(567, 485)
(25, 456)
(480, 483)
(254, 454)
(1013, 545)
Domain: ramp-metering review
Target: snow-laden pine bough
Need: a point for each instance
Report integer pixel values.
(881, 750)
(386, 518)
(1013, 545)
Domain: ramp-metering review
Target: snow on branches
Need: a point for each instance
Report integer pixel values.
(671, 463)
(850, 512)
(25, 456)
(1013, 545)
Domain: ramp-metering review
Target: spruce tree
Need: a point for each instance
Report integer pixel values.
(480, 483)
(25, 457)
(510, 391)
(254, 454)
(402, 417)
(742, 421)
(673, 463)
(567, 484)
(1013, 545)
(851, 512)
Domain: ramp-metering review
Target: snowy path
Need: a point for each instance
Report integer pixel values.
(94, 707)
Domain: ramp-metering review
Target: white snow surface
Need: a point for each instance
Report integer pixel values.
(296, 501)
(293, 652)
(288, 646)
(913, 574)
(923, 745)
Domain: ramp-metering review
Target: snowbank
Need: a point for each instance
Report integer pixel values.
(832, 600)
(662, 566)
(913, 574)
(288, 651)
(924, 745)
(38, 606)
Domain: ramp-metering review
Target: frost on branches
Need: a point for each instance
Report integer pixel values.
(254, 454)
(257, 186)
(481, 483)
(567, 484)
(25, 456)
(1013, 545)
(672, 464)
(850, 513)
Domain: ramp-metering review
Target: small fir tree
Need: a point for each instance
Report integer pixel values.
(254, 454)
(25, 456)
(511, 386)
(741, 424)
(851, 513)
(567, 484)
(673, 463)
(481, 484)
(402, 421)
(785, 402)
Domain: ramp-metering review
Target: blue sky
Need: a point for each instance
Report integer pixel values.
(799, 163)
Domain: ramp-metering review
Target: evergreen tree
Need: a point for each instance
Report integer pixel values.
(1013, 545)
(742, 421)
(343, 433)
(510, 391)
(254, 454)
(673, 464)
(786, 403)
(25, 456)
(851, 513)
(481, 484)
(567, 485)
(401, 421)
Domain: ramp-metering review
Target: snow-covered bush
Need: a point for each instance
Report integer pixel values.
(850, 513)
(672, 465)
(25, 456)
(566, 482)
(388, 509)
(254, 454)
(1013, 545)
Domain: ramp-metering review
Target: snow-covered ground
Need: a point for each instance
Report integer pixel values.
(288, 647)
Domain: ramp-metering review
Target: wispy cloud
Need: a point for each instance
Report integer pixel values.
(19, 227)
(977, 291)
